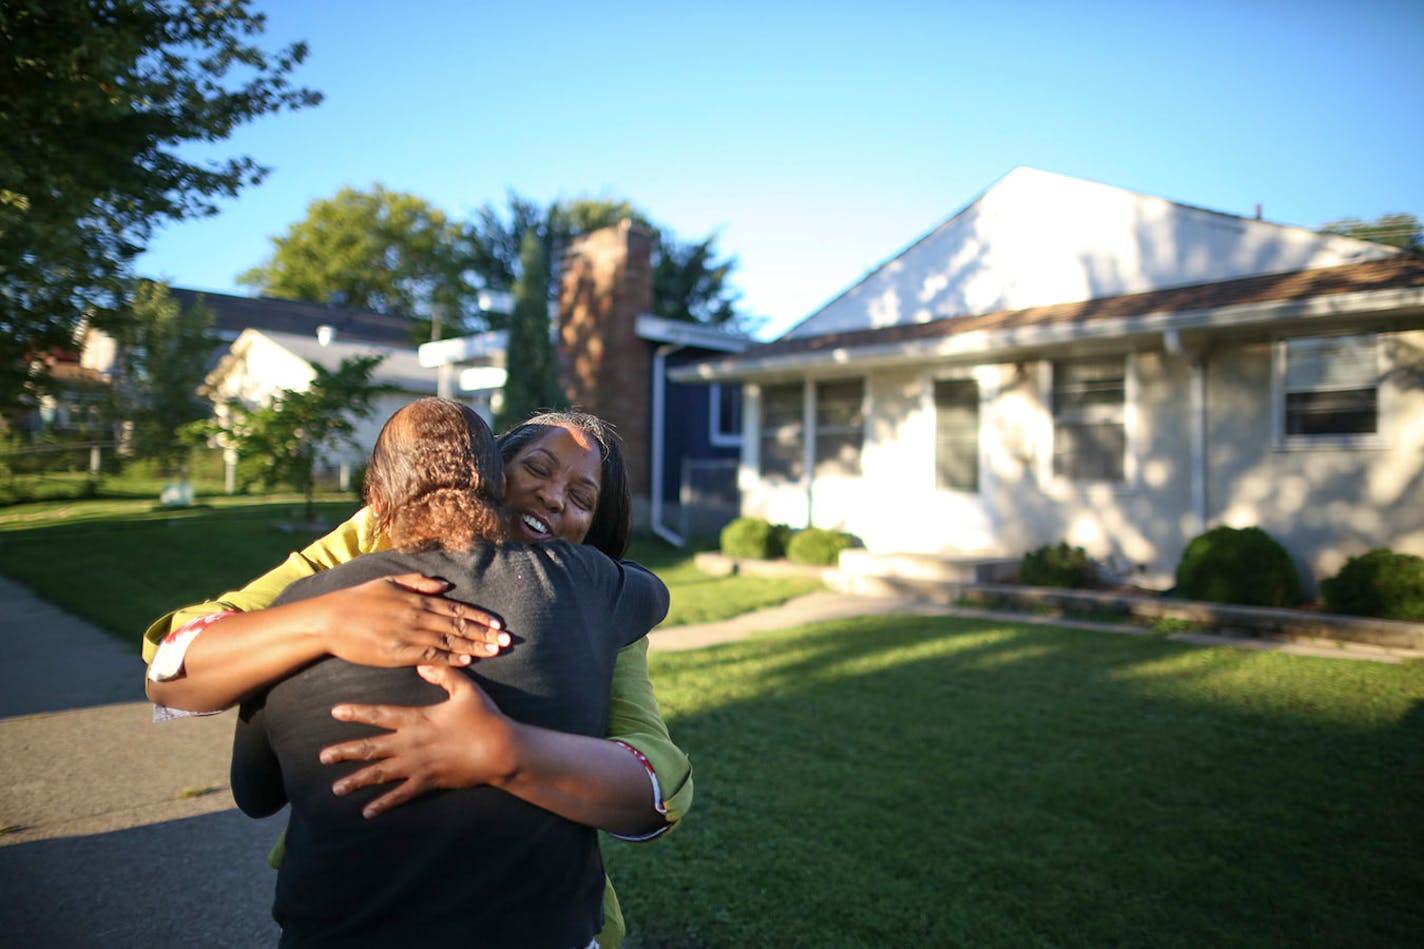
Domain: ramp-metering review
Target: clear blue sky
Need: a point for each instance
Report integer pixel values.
(819, 139)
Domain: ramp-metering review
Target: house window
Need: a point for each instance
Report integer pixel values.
(1331, 386)
(1089, 411)
(782, 451)
(840, 427)
(956, 403)
(725, 424)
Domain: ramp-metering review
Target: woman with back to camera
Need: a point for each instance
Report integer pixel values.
(565, 478)
(476, 861)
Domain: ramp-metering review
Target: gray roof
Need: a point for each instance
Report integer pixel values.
(233, 314)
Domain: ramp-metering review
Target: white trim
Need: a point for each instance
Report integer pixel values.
(656, 329)
(659, 448)
(715, 438)
(1001, 345)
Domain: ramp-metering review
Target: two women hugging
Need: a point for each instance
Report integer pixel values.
(460, 799)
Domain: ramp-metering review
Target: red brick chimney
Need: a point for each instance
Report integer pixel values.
(606, 281)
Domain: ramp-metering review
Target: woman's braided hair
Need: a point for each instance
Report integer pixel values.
(436, 478)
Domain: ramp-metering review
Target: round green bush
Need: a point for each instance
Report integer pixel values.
(754, 538)
(1060, 566)
(1237, 565)
(817, 546)
(1380, 583)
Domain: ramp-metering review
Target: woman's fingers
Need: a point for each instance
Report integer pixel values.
(401, 621)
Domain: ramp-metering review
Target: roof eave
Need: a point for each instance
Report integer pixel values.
(999, 345)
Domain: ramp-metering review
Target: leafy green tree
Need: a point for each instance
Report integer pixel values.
(379, 250)
(286, 438)
(163, 354)
(532, 381)
(690, 284)
(1397, 230)
(99, 98)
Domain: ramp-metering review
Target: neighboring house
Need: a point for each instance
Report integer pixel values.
(261, 363)
(1064, 360)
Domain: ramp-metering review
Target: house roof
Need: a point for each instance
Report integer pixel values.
(399, 366)
(1035, 238)
(233, 314)
(1377, 288)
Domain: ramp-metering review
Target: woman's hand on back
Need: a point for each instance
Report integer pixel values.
(403, 621)
(459, 743)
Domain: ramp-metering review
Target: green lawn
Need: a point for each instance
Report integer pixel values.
(121, 563)
(947, 782)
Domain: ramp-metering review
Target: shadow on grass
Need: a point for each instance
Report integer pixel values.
(918, 781)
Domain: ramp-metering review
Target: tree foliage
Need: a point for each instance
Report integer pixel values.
(689, 282)
(1397, 230)
(162, 355)
(532, 380)
(287, 437)
(379, 250)
(98, 98)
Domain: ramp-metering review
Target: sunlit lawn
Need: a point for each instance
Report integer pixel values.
(947, 782)
(121, 563)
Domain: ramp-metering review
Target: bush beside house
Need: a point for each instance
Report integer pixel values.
(1380, 583)
(1244, 565)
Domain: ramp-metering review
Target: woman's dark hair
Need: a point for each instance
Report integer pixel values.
(436, 478)
(612, 521)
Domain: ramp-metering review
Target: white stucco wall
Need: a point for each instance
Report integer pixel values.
(1323, 505)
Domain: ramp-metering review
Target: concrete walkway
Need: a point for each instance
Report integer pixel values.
(115, 832)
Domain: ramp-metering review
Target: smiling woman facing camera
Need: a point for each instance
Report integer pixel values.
(635, 783)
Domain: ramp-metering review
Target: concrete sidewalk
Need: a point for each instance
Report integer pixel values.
(121, 833)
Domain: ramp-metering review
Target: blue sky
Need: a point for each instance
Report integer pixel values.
(819, 139)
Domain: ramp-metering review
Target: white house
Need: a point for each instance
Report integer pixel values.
(261, 363)
(1064, 360)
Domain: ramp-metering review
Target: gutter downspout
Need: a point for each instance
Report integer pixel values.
(1196, 424)
(655, 489)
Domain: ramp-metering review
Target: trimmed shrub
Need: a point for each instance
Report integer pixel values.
(1380, 583)
(817, 546)
(755, 538)
(1237, 565)
(1060, 566)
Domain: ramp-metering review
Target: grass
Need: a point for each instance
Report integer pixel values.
(122, 563)
(902, 781)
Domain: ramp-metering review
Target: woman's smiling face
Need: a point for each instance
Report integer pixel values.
(552, 485)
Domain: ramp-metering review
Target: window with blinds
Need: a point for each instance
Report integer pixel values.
(956, 404)
(1089, 419)
(840, 427)
(782, 452)
(1331, 386)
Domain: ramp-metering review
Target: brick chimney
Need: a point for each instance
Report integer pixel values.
(605, 282)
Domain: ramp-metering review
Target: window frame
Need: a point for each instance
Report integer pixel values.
(716, 437)
(932, 407)
(798, 472)
(814, 459)
(1280, 365)
(1126, 419)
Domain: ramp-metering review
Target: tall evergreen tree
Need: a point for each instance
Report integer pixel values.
(532, 381)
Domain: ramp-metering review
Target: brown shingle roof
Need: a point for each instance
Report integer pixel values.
(1395, 272)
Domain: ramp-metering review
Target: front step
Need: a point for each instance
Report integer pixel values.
(944, 568)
